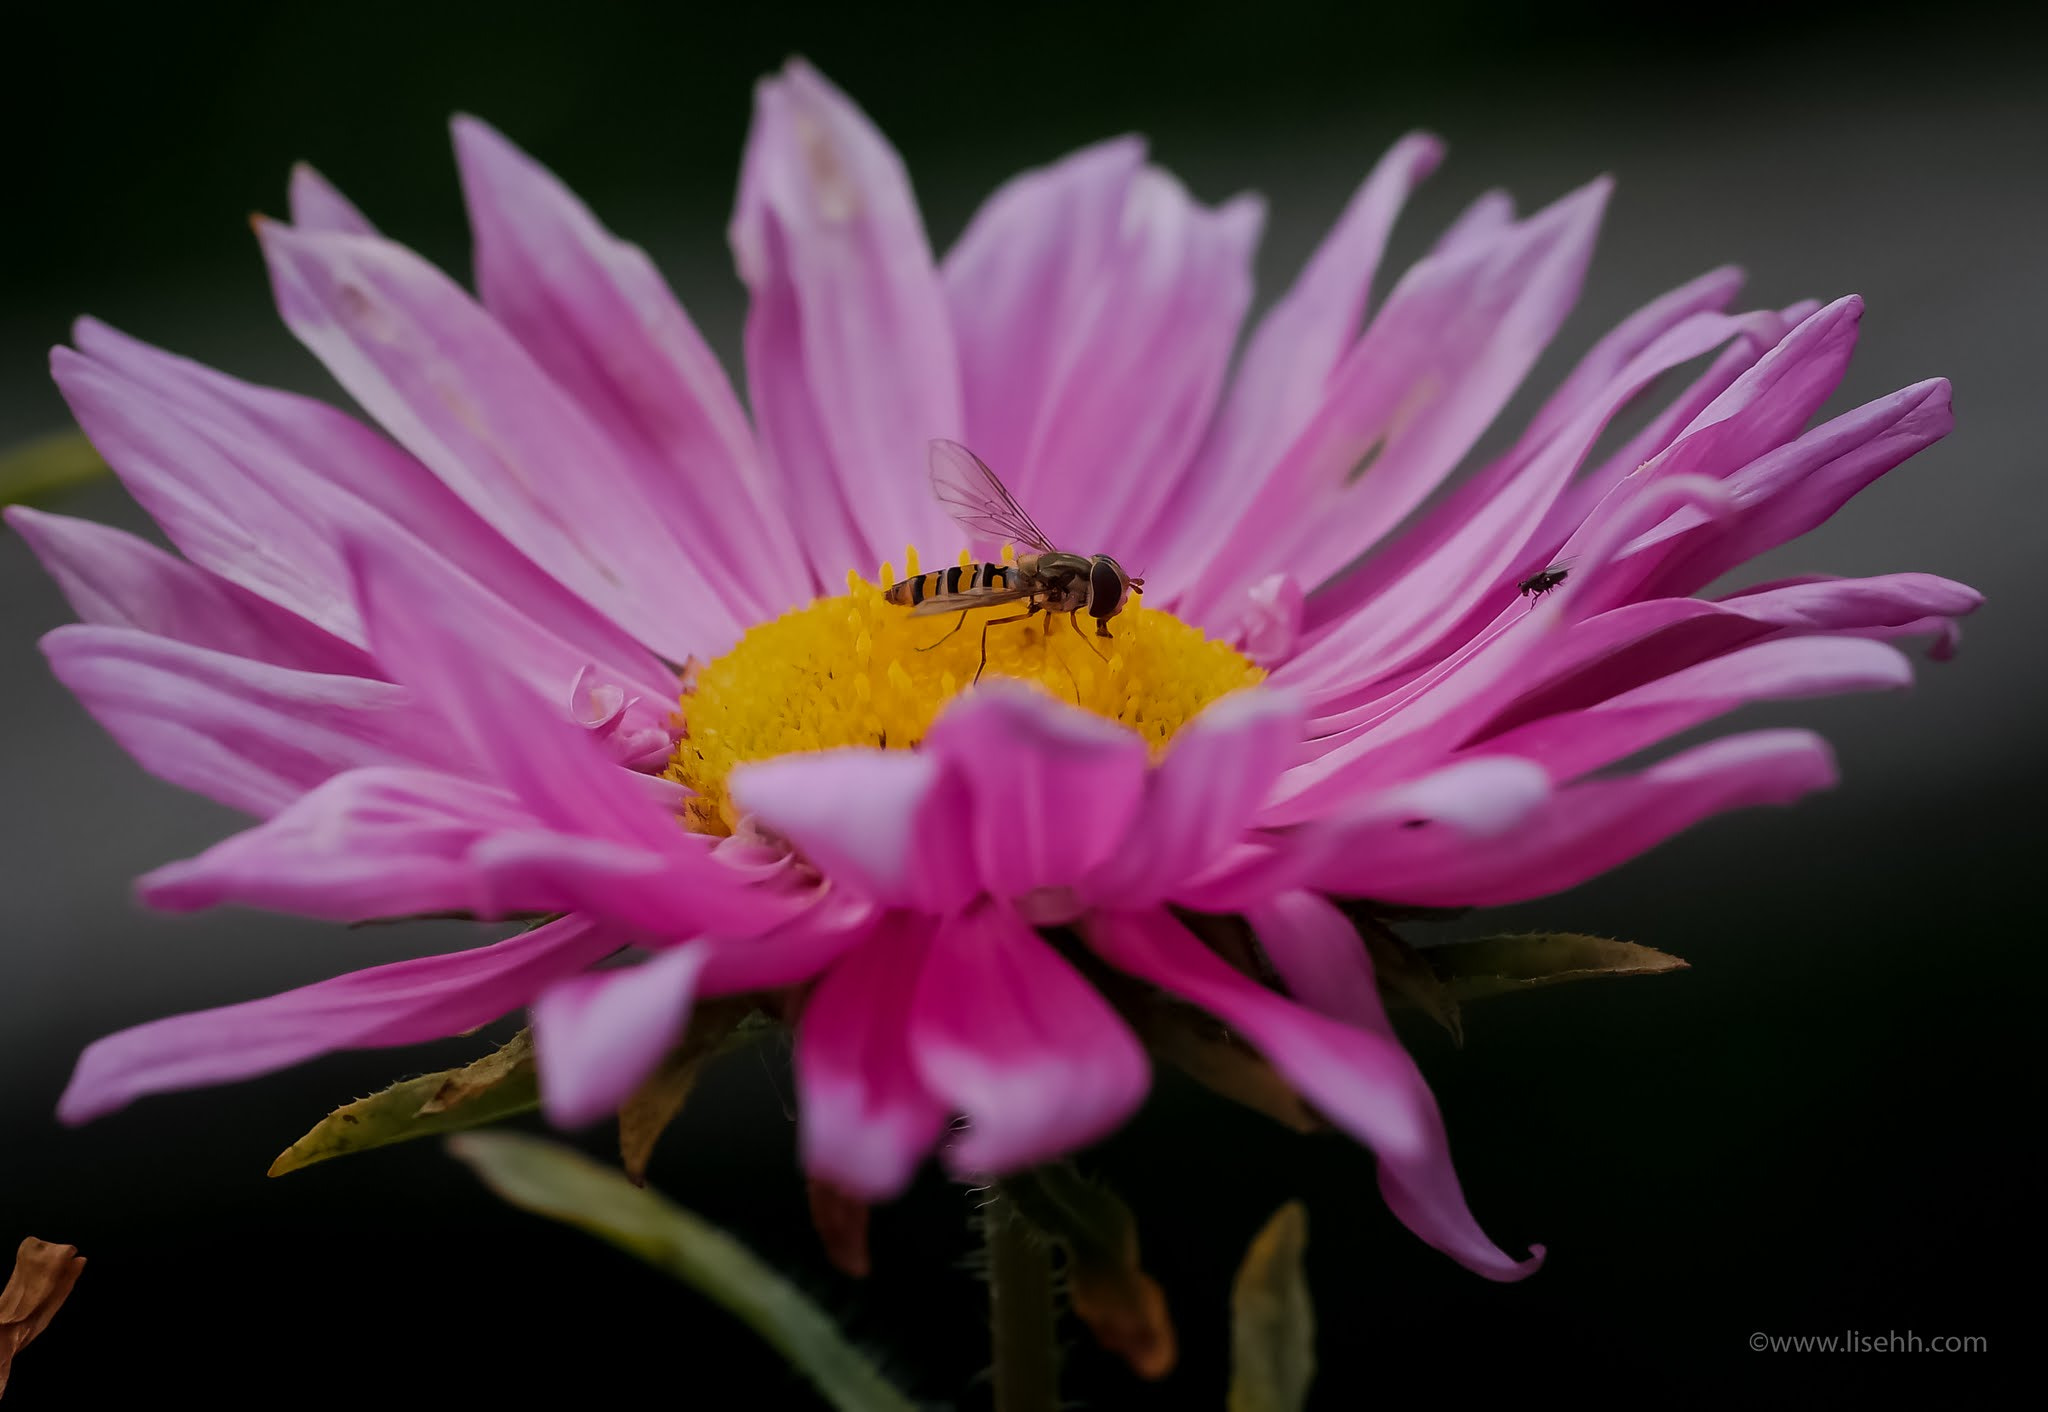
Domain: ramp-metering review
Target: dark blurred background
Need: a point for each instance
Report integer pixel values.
(1827, 1125)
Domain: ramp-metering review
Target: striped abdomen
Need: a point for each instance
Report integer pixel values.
(951, 583)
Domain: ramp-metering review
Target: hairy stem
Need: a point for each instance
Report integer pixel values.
(1020, 1310)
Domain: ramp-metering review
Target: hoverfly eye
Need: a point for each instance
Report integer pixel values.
(1105, 588)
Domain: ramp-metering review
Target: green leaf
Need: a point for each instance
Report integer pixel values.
(38, 469)
(564, 1185)
(1503, 965)
(499, 1085)
(1107, 1286)
(1272, 1321)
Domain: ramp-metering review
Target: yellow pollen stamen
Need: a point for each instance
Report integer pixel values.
(856, 670)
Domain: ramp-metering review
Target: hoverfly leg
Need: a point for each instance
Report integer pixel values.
(956, 627)
(1074, 621)
(997, 622)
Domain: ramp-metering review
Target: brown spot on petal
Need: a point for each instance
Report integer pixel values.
(838, 199)
(41, 1282)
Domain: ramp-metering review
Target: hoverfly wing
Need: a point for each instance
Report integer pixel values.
(978, 501)
(964, 602)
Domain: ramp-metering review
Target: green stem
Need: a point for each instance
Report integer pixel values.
(1020, 1312)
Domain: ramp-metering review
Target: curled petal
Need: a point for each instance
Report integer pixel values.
(1357, 1076)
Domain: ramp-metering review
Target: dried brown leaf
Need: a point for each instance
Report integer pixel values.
(842, 1226)
(643, 1118)
(43, 1276)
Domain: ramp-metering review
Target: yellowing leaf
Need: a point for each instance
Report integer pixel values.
(499, 1085)
(41, 468)
(1502, 965)
(1272, 1321)
(563, 1185)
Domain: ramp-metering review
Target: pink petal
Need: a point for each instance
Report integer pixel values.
(249, 735)
(1640, 644)
(891, 825)
(114, 579)
(1452, 343)
(407, 1002)
(250, 451)
(596, 315)
(1614, 359)
(560, 775)
(1027, 759)
(1796, 488)
(1390, 737)
(1762, 330)
(1320, 958)
(375, 842)
(598, 1034)
(1625, 343)
(1446, 591)
(317, 205)
(1479, 224)
(448, 382)
(850, 361)
(795, 952)
(210, 492)
(1356, 1075)
(1201, 798)
(865, 1119)
(1586, 829)
(1096, 306)
(1009, 1034)
(1574, 742)
(1288, 362)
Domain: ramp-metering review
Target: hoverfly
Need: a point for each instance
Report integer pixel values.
(1046, 580)
(1540, 583)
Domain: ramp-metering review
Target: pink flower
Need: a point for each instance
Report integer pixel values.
(436, 662)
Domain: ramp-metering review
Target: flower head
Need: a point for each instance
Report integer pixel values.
(577, 636)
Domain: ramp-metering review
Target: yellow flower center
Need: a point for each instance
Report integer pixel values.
(857, 670)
